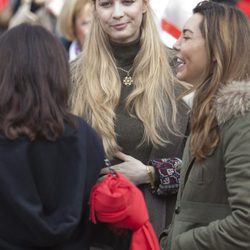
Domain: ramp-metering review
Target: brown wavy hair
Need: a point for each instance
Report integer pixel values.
(34, 84)
(226, 32)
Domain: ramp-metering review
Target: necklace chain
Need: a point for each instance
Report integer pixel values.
(127, 80)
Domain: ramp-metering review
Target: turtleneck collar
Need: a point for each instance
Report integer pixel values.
(125, 53)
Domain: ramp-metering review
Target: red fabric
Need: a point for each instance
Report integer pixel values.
(119, 202)
(244, 5)
(3, 4)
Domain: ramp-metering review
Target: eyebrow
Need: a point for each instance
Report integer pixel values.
(187, 30)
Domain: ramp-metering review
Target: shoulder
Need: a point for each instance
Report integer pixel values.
(237, 128)
(83, 126)
(87, 137)
(232, 101)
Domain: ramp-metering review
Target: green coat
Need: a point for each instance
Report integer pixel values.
(213, 204)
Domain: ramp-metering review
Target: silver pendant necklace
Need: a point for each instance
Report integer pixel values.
(127, 80)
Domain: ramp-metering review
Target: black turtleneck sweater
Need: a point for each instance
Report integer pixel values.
(129, 129)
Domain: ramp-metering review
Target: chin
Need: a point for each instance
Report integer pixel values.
(180, 77)
(121, 39)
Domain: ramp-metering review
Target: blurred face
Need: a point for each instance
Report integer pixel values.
(121, 19)
(191, 54)
(82, 23)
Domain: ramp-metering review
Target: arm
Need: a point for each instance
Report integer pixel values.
(232, 232)
(162, 174)
(167, 175)
(132, 168)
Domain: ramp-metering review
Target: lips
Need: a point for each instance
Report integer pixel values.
(119, 26)
(178, 63)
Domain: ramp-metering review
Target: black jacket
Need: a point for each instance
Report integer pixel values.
(44, 190)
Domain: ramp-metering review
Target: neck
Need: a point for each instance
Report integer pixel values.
(125, 53)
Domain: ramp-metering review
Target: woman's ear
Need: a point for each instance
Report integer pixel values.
(145, 6)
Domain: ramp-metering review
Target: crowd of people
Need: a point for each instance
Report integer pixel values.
(91, 99)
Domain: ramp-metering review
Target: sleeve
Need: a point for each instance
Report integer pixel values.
(167, 175)
(232, 232)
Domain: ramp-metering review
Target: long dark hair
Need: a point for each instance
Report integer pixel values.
(34, 84)
(226, 31)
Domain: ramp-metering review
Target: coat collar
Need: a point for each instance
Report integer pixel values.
(231, 100)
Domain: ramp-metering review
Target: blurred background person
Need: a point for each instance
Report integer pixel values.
(74, 24)
(49, 159)
(38, 12)
(7, 9)
(5, 15)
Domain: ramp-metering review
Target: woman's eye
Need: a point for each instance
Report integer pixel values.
(186, 37)
(105, 4)
(128, 2)
(85, 23)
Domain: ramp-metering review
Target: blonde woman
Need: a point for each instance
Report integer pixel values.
(124, 87)
(74, 24)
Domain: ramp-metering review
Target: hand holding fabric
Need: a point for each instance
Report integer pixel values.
(119, 202)
(132, 168)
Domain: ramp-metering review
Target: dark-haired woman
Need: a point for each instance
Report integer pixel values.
(49, 159)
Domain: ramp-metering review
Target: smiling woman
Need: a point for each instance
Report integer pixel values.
(121, 30)
(191, 52)
(124, 87)
(213, 205)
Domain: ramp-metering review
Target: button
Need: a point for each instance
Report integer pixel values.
(177, 210)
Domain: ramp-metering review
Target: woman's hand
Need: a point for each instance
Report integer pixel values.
(132, 168)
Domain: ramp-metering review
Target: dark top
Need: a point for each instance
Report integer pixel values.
(44, 189)
(129, 132)
(125, 124)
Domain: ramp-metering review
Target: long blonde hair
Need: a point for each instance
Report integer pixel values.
(97, 86)
(227, 37)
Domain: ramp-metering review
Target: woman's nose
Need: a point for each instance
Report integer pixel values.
(118, 10)
(176, 45)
